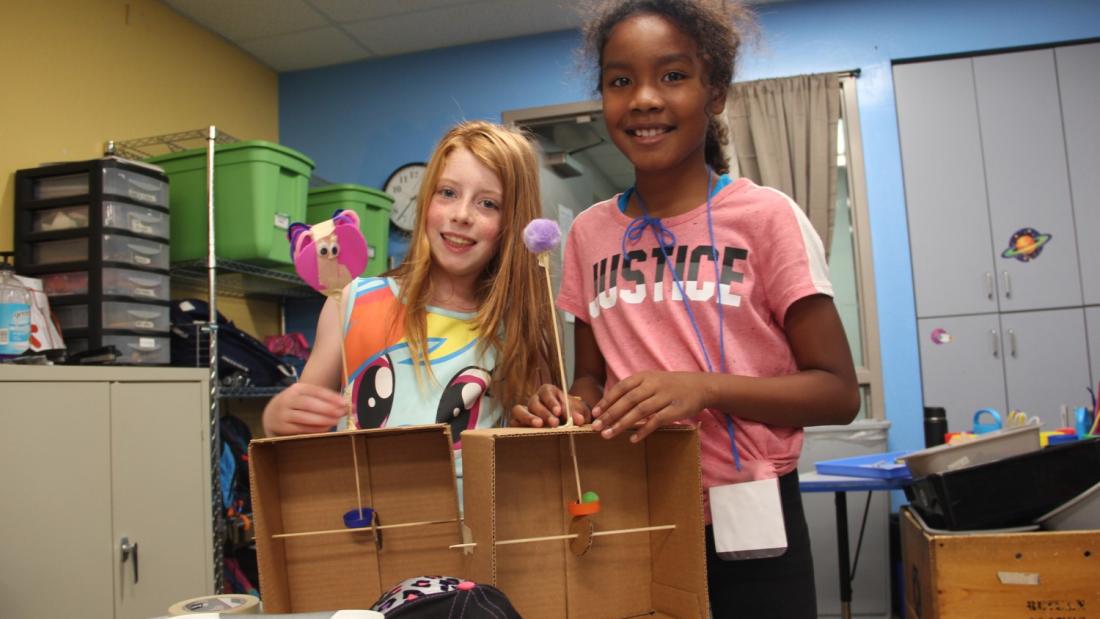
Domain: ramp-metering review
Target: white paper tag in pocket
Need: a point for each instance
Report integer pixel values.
(748, 520)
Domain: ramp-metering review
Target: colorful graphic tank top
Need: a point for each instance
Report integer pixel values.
(384, 387)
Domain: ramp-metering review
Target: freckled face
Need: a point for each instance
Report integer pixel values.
(464, 218)
(655, 96)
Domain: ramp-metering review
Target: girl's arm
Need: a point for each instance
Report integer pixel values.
(824, 390)
(312, 404)
(547, 406)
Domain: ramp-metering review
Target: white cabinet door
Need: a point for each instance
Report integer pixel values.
(945, 191)
(1079, 81)
(962, 366)
(55, 501)
(160, 470)
(1046, 362)
(1026, 175)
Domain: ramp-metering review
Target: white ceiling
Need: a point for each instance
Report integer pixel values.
(290, 35)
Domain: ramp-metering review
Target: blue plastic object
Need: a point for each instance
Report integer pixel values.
(359, 519)
(984, 427)
(878, 466)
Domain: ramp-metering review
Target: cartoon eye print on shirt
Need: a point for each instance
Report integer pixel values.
(460, 402)
(374, 393)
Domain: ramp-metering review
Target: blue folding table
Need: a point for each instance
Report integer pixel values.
(885, 478)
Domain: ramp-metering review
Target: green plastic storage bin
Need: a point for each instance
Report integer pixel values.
(259, 189)
(373, 208)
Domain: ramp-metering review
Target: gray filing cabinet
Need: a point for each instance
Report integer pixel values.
(993, 146)
(95, 456)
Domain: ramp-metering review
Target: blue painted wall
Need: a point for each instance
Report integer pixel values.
(360, 121)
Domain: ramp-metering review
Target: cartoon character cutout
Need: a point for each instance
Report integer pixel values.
(460, 402)
(329, 254)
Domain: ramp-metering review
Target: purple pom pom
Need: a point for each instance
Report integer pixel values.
(541, 235)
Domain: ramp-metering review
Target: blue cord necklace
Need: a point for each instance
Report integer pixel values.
(666, 240)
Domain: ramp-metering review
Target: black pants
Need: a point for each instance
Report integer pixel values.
(774, 588)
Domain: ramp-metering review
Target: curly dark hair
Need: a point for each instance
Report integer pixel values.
(717, 26)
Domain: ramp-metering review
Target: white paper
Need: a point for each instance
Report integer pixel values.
(748, 520)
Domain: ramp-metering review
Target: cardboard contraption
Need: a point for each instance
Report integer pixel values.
(518, 483)
(306, 483)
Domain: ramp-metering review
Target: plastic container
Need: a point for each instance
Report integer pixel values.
(116, 248)
(373, 208)
(259, 189)
(984, 448)
(115, 315)
(142, 186)
(119, 215)
(1081, 513)
(116, 282)
(134, 349)
(1009, 492)
(15, 313)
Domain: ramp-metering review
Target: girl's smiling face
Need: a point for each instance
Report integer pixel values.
(464, 219)
(655, 96)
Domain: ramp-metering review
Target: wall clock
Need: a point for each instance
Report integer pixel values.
(404, 185)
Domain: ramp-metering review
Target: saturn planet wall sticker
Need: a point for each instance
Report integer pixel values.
(1026, 244)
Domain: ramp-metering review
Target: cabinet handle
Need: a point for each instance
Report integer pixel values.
(127, 550)
(996, 343)
(989, 285)
(1008, 284)
(1012, 342)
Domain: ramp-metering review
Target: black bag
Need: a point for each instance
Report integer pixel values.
(243, 361)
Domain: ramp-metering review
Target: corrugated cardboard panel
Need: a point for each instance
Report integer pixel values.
(678, 556)
(477, 489)
(527, 501)
(307, 483)
(1033, 575)
(317, 485)
(518, 482)
(411, 484)
(615, 573)
(264, 482)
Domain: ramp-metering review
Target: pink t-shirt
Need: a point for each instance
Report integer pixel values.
(769, 257)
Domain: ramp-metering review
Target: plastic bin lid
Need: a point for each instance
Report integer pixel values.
(316, 191)
(221, 148)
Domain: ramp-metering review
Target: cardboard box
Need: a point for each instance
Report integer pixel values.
(1030, 575)
(517, 485)
(305, 484)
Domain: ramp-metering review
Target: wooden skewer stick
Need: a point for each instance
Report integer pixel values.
(355, 466)
(352, 425)
(544, 262)
(549, 538)
(576, 469)
(364, 529)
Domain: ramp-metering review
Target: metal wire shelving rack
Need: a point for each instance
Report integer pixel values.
(221, 277)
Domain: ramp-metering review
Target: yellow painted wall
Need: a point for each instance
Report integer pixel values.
(77, 73)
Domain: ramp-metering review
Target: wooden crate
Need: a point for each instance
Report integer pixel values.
(1033, 575)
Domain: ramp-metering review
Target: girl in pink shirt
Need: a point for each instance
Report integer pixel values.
(702, 299)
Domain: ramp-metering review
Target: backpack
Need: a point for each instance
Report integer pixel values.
(243, 361)
(444, 597)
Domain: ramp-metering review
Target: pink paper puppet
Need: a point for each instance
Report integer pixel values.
(330, 253)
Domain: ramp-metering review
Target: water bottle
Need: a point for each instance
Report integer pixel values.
(15, 313)
(935, 425)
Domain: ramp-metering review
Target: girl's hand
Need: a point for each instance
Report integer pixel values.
(303, 408)
(547, 409)
(650, 400)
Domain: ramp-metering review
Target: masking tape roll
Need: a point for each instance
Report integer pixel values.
(233, 604)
